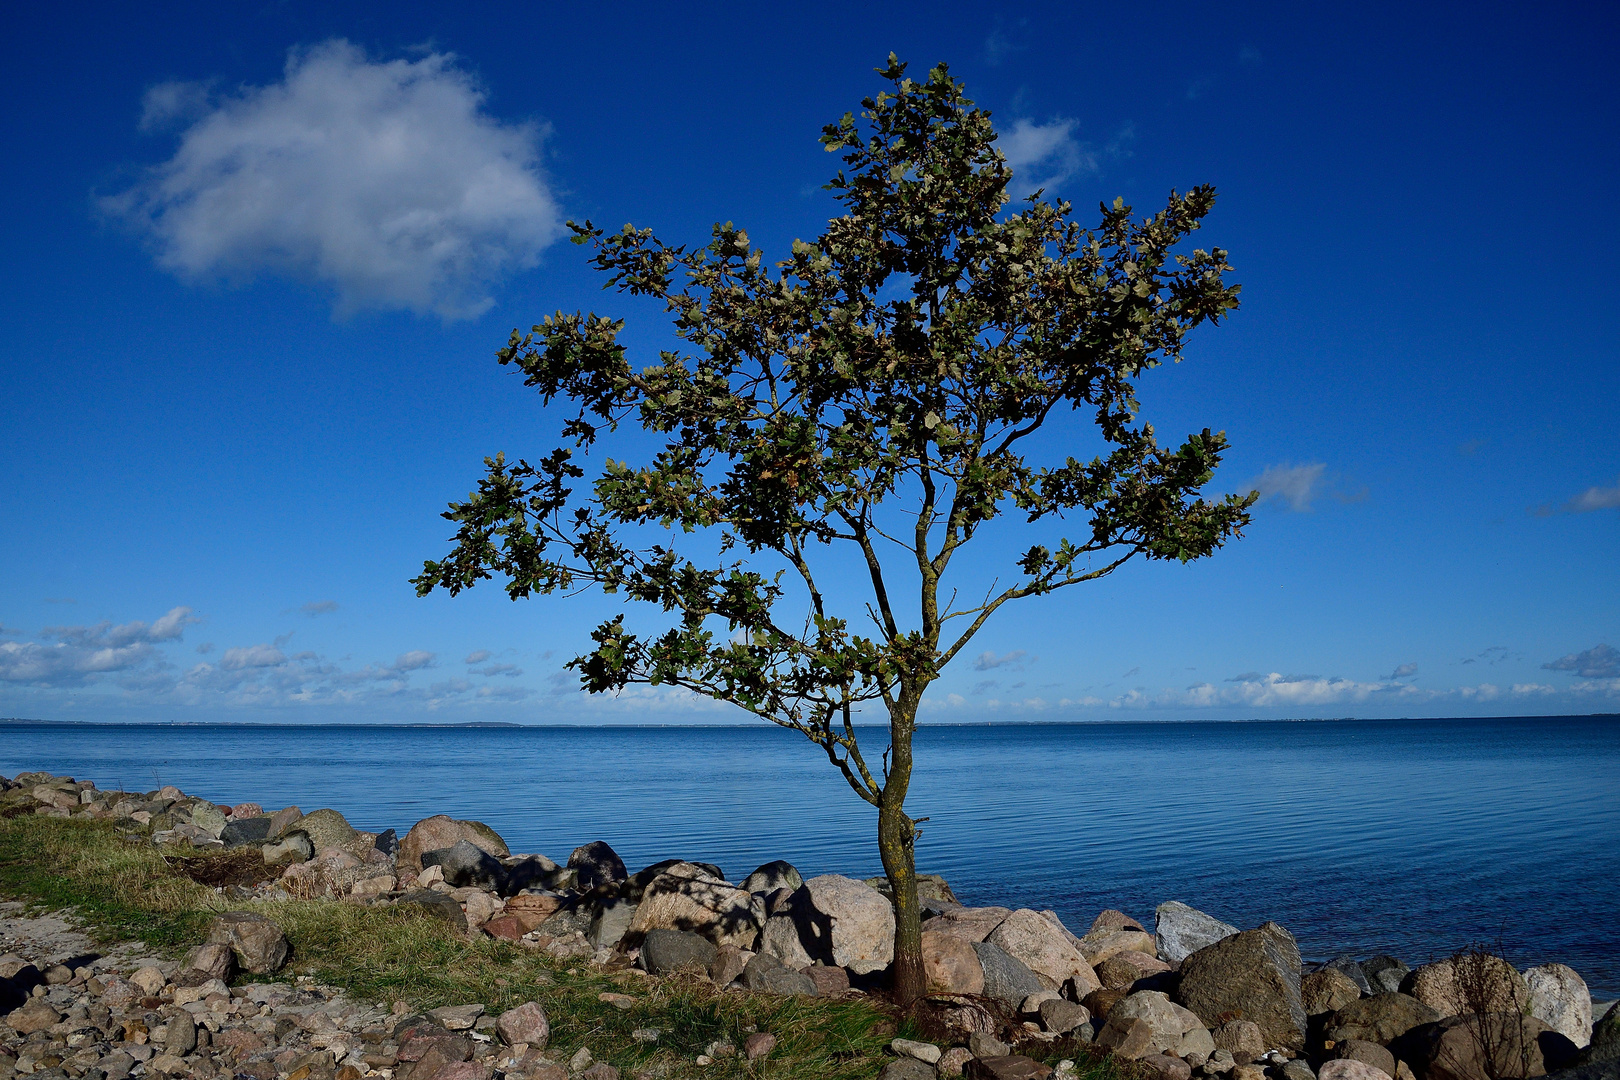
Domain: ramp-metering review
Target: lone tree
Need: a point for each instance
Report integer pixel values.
(872, 398)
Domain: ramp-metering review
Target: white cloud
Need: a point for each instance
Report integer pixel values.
(1596, 498)
(252, 656)
(383, 180)
(415, 660)
(82, 653)
(1043, 156)
(511, 671)
(478, 656)
(1598, 662)
(1401, 672)
(988, 661)
(319, 607)
(1295, 485)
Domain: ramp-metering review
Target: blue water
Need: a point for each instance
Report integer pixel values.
(1412, 837)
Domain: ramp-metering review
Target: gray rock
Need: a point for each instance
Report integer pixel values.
(1180, 930)
(182, 1036)
(1254, 975)
(328, 829)
(259, 944)
(1005, 979)
(685, 896)
(985, 1045)
(609, 923)
(908, 1068)
(465, 863)
(1296, 1069)
(765, 974)
(208, 818)
(387, 842)
(1062, 1016)
(295, 847)
(666, 951)
(597, 864)
(1352, 970)
(1384, 974)
(772, 876)
(438, 905)
(239, 832)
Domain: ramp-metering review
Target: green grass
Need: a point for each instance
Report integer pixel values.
(124, 890)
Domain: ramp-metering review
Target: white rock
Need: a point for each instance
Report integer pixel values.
(1559, 998)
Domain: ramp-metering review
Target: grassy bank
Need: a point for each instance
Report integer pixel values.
(127, 890)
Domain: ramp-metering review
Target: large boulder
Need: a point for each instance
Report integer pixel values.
(1559, 998)
(1099, 945)
(969, 924)
(1381, 1018)
(1181, 930)
(1606, 1037)
(687, 897)
(1175, 1030)
(1369, 1053)
(438, 905)
(439, 832)
(1473, 982)
(1350, 969)
(1006, 979)
(1124, 969)
(1045, 949)
(932, 890)
(465, 864)
(1384, 974)
(209, 818)
(1327, 991)
(777, 874)
(259, 944)
(293, 847)
(596, 864)
(950, 965)
(1495, 1046)
(665, 951)
(1351, 1069)
(239, 832)
(836, 920)
(765, 974)
(1253, 975)
(328, 829)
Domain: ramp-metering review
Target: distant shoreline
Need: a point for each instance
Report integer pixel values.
(755, 724)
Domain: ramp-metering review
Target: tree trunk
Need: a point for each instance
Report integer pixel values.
(896, 833)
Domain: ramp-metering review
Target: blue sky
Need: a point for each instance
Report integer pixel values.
(258, 257)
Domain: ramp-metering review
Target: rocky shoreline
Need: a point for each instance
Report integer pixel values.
(1192, 997)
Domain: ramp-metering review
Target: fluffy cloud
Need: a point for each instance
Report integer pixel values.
(1598, 662)
(1043, 156)
(383, 180)
(988, 661)
(1296, 485)
(81, 654)
(1596, 498)
(478, 656)
(1401, 672)
(253, 656)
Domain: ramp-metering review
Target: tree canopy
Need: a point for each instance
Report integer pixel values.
(877, 391)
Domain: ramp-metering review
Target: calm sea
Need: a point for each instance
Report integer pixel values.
(1413, 837)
